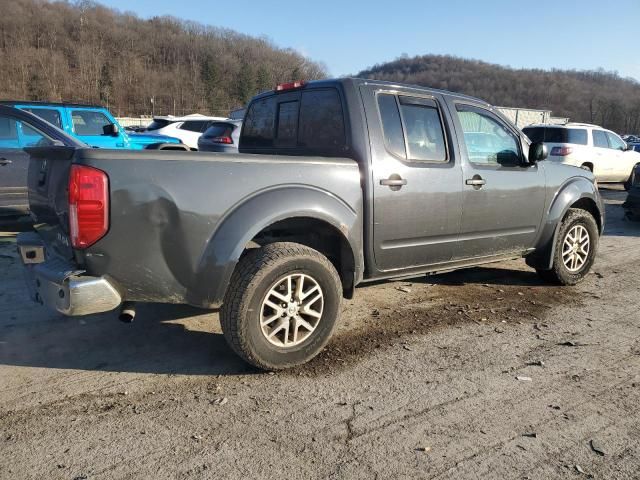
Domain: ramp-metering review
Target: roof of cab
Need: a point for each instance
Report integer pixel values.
(365, 81)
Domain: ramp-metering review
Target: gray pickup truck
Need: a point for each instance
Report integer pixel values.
(336, 183)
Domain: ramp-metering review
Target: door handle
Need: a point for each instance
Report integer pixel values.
(4, 161)
(394, 181)
(476, 182)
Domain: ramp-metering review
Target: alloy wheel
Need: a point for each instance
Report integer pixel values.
(291, 310)
(575, 248)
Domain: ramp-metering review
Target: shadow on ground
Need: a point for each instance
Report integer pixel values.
(156, 342)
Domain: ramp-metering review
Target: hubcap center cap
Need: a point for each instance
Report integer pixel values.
(292, 309)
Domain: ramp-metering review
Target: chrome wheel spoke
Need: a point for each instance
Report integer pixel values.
(271, 319)
(306, 294)
(289, 313)
(304, 324)
(576, 248)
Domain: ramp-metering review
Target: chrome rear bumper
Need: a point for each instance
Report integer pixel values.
(59, 285)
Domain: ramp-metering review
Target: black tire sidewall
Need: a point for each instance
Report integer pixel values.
(576, 217)
(258, 345)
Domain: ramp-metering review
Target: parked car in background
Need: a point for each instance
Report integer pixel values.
(93, 125)
(631, 138)
(20, 129)
(588, 146)
(632, 204)
(188, 129)
(336, 182)
(221, 137)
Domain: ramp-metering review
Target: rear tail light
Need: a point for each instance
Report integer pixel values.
(88, 205)
(225, 140)
(289, 86)
(561, 151)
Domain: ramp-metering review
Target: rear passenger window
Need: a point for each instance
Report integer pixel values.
(47, 114)
(600, 139)
(391, 125)
(423, 129)
(321, 120)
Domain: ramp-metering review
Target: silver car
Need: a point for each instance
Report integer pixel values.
(221, 137)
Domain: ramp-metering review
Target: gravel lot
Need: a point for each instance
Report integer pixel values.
(484, 373)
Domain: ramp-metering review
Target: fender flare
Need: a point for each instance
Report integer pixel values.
(248, 218)
(572, 192)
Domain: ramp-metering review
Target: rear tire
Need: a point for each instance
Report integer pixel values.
(575, 249)
(270, 316)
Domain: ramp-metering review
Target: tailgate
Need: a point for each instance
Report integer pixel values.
(48, 181)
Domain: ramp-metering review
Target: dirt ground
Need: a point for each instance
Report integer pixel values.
(484, 373)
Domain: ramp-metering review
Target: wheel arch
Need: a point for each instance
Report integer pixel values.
(579, 192)
(307, 215)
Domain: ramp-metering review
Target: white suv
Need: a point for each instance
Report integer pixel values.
(188, 129)
(590, 147)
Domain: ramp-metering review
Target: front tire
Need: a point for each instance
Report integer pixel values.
(575, 249)
(281, 305)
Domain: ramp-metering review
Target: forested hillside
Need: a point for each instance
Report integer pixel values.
(84, 52)
(586, 96)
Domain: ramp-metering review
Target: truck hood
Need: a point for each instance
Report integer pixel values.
(151, 138)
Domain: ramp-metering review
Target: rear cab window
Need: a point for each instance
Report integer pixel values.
(299, 122)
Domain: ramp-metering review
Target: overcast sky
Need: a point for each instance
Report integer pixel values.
(349, 36)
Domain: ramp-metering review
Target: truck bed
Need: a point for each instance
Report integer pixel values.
(173, 228)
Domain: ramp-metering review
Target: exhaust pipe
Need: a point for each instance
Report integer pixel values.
(128, 312)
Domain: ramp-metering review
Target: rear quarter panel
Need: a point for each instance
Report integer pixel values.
(180, 220)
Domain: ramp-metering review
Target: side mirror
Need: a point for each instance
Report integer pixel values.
(110, 130)
(538, 151)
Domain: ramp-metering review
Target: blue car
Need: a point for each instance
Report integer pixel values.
(91, 124)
